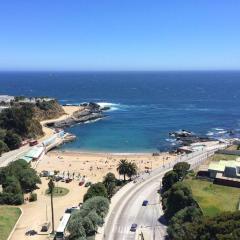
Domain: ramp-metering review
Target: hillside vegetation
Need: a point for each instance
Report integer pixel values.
(22, 121)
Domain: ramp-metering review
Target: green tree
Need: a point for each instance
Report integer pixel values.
(12, 185)
(183, 217)
(97, 189)
(176, 198)
(86, 221)
(12, 140)
(122, 168)
(109, 182)
(29, 179)
(131, 170)
(3, 147)
(99, 204)
(76, 228)
(168, 180)
(181, 168)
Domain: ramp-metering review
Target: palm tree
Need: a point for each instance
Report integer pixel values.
(51, 186)
(123, 168)
(132, 170)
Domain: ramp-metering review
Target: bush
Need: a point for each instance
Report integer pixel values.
(33, 197)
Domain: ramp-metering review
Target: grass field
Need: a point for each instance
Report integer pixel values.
(8, 218)
(218, 157)
(59, 192)
(213, 198)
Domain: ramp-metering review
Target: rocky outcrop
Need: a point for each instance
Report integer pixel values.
(87, 112)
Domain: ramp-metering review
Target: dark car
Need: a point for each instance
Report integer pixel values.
(145, 203)
(133, 227)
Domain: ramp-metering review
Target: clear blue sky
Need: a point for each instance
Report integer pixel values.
(119, 34)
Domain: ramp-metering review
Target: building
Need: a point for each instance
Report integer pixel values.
(230, 169)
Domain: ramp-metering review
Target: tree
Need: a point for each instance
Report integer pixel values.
(97, 189)
(225, 226)
(12, 185)
(86, 221)
(29, 179)
(100, 204)
(3, 147)
(181, 168)
(168, 180)
(176, 198)
(12, 140)
(187, 215)
(131, 170)
(123, 168)
(76, 228)
(51, 186)
(109, 182)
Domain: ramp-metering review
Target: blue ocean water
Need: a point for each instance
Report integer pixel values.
(146, 106)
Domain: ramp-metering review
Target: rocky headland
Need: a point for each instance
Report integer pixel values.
(86, 112)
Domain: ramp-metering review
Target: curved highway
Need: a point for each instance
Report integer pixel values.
(129, 209)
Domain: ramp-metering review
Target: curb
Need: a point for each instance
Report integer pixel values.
(11, 233)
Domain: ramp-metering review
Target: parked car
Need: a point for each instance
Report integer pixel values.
(145, 203)
(133, 227)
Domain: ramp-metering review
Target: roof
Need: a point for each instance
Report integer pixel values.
(27, 159)
(34, 152)
(62, 225)
(216, 167)
(220, 166)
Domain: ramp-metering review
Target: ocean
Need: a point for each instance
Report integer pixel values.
(145, 106)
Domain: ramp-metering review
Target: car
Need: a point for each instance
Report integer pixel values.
(145, 203)
(133, 227)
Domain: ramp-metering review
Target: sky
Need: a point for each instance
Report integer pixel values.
(120, 35)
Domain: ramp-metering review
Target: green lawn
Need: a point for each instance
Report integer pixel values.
(213, 198)
(218, 157)
(58, 192)
(8, 218)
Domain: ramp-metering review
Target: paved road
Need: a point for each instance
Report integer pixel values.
(129, 208)
(11, 156)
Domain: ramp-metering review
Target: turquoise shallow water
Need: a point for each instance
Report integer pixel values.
(146, 106)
